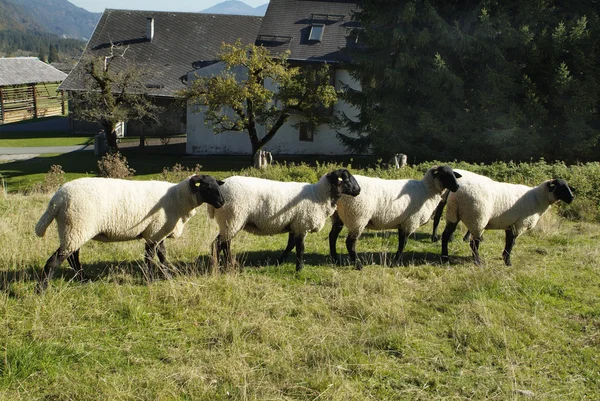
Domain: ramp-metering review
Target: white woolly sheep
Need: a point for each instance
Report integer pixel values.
(384, 204)
(110, 210)
(465, 175)
(492, 205)
(266, 207)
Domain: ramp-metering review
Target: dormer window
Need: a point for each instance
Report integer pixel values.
(316, 32)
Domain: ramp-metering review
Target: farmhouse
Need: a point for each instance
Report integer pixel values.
(29, 89)
(314, 32)
(164, 46)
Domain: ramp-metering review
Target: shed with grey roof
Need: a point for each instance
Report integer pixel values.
(29, 89)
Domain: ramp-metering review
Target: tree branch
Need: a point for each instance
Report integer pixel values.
(280, 121)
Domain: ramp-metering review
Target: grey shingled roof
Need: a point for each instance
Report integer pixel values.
(27, 70)
(287, 25)
(180, 40)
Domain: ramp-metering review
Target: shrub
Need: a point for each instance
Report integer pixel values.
(114, 165)
(179, 172)
(53, 179)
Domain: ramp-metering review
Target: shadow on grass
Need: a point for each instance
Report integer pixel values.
(389, 233)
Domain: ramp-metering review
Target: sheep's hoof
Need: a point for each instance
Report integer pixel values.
(299, 267)
(336, 259)
(395, 262)
(358, 265)
(445, 259)
(435, 238)
(41, 286)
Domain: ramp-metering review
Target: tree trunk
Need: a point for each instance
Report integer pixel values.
(111, 136)
(142, 138)
(111, 139)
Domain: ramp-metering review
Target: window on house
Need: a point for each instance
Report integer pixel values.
(307, 134)
(316, 32)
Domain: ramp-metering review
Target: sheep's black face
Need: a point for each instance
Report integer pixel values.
(561, 190)
(207, 190)
(342, 182)
(447, 177)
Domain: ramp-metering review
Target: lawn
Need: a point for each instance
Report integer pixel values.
(32, 139)
(421, 331)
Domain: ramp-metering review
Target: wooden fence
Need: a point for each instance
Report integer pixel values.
(18, 103)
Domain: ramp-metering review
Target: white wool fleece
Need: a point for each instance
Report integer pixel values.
(487, 204)
(267, 207)
(386, 204)
(107, 209)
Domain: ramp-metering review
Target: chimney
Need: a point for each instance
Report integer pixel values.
(150, 29)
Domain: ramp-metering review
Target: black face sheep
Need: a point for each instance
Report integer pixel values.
(491, 205)
(266, 207)
(109, 210)
(465, 176)
(383, 204)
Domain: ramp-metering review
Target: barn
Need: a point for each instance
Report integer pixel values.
(29, 89)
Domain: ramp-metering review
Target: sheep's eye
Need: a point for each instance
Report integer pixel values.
(198, 184)
(340, 179)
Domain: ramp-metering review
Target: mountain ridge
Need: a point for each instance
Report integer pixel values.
(236, 7)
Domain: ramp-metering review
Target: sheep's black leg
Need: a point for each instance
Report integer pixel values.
(52, 263)
(290, 246)
(475, 249)
(467, 236)
(436, 220)
(510, 242)
(216, 250)
(299, 240)
(402, 239)
(149, 253)
(75, 264)
(336, 227)
(351, 247)
(226, 247)
(446, 236)
(161, 251)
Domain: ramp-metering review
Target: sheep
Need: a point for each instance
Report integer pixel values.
(384, 204)
(266, 207)
(109, 210)
(492, 205)
(466, 175)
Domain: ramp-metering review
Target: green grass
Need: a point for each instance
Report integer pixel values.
(32, 139)
(421, 331)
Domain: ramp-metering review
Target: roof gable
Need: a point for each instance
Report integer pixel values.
(287, 26)
(27, 70)
(179, 41)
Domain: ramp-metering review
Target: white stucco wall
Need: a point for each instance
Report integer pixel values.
(202, 140)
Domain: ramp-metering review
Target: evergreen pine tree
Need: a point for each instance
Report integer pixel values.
(52, 54)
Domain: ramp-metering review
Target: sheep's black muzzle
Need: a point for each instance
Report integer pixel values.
(561, 190)
(350, 186)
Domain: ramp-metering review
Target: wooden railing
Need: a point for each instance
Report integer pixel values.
(18, 103)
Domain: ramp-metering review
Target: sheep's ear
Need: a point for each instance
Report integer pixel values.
(551, 186)
(220, 182)
(334, 178)
(194, 182)
(457, 175)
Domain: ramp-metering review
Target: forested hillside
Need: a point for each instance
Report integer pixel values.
(57, 16)
(39, 44)
(44, 27)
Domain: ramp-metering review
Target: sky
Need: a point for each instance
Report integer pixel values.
(155, 5)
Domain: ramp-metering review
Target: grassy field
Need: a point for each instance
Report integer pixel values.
(27, 139)
(421, 331)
